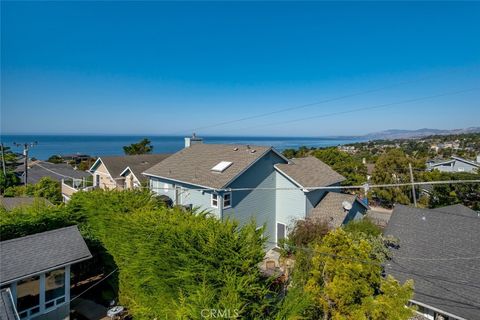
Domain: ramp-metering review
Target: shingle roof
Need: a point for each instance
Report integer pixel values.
(30, 255)
(7, 309)
(440, 251)
(193, 164)
(117, 164)
(330, 208)
(56, 171)
(310, 172)
(10, 203)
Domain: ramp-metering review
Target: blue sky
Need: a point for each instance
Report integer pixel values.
(175, 67)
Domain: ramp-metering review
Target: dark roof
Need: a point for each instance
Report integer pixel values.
(471, 162)
(440, 251)
(310, 172)
(330, 208)
(138, 167)
(10, 203)
(194, 164)
(30, 255)
(7, 308)
(117, 164)
(56, 171)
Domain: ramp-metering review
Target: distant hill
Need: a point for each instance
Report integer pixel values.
(409, 134)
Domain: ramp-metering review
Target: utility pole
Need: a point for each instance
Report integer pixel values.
(3, 161)
(413, 185)
(26, 147)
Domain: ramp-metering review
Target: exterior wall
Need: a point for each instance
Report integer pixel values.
(186, 196)
(131, 182)
(59, 311)
(356, 213)
(258, 205)
(106, 181)
(290, 204)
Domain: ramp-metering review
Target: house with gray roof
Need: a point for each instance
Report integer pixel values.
(439, 249)
(243, 182)
(337, 209)
(123, 172)
(36, 271)
(55, 171)
(454, 164)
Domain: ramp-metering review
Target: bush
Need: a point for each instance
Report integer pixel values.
(363, 226)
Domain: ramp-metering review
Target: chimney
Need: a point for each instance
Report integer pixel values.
(192, 140)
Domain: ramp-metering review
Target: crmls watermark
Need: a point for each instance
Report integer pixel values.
(219, 313)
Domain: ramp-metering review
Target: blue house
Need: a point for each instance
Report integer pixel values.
(244, 182)
(455, 164)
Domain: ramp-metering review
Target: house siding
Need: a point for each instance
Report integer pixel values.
(258, 205)
(290, 204)
(187, 195)
(106, 181)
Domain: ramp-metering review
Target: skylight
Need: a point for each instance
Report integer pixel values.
(221, 166)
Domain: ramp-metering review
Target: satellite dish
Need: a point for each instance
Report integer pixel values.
(346, 205)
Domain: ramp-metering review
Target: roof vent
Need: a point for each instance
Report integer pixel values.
(222, 166)
(235, 149)
(253, 151)
(347, 206)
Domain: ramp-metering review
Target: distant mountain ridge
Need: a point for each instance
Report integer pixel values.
(410, 134)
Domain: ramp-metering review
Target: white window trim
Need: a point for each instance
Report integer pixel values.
(223, 198)
(211, 200)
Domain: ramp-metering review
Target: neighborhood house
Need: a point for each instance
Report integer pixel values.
(439, 250)
(35, 273)
(244, 182)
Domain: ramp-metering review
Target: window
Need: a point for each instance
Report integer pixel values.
(214, 200)
(166, 186)
(97, 180)
(28, 295)
(227, 200)
(281, 229)
(54, 287)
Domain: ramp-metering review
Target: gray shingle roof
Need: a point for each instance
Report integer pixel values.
(193, 164)
(30, 255)
(10, 203)
(7, 309)
(117, 164)
(310, 172)
(330, 208)
(440, 251)
(56, 171)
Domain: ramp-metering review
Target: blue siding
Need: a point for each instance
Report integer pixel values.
(290, 204)
(258, 205)
(198, 198)
(357, 212)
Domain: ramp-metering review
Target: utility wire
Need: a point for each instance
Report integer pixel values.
(265, 114)
(385, 105)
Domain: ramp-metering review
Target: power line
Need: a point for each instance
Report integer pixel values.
(265, 114)
(385, 105)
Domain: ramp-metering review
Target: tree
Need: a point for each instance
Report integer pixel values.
(351, 168)
(391, 168)
(346, 281)
(142, 147)
(8, 180)
(45, 188)
(173, 263)
(55, 159)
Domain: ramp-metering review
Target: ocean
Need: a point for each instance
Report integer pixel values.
(102, 145)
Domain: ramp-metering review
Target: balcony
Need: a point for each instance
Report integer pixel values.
(70, 186)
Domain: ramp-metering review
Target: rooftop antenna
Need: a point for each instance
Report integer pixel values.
(26, 148)
(347, 206)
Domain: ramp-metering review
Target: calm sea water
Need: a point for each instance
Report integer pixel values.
(112, 145)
